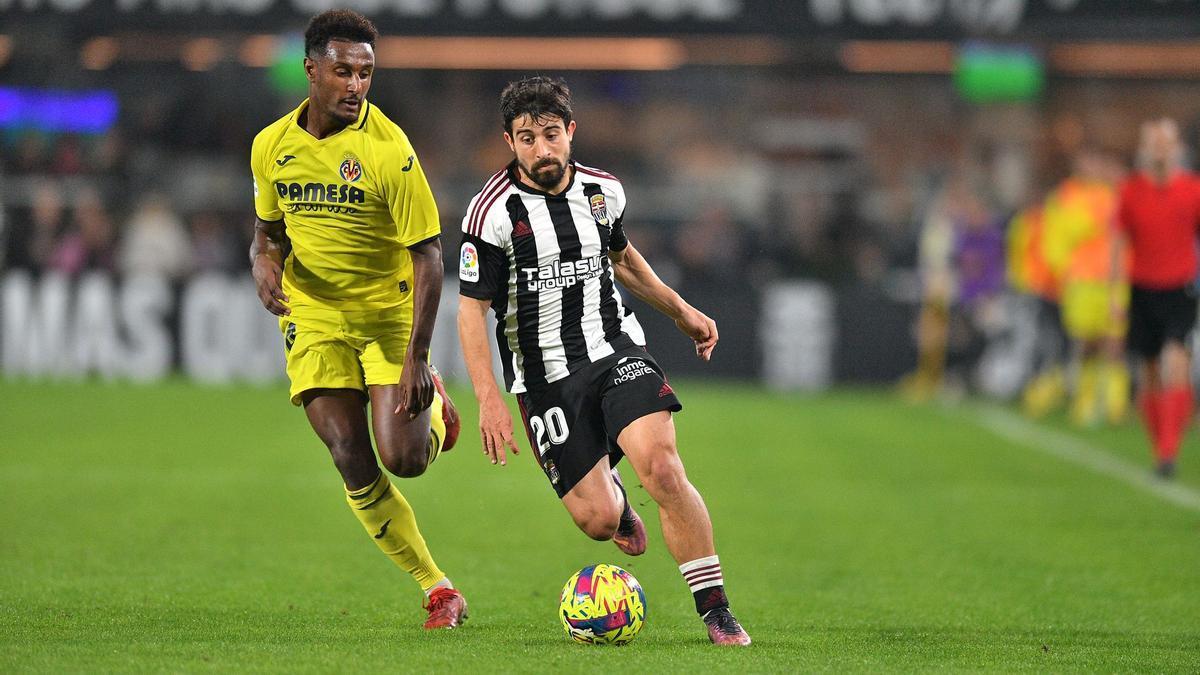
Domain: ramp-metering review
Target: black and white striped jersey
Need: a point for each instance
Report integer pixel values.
(542, 261)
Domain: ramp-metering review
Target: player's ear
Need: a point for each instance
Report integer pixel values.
(509, 139)
(310, 69)
(571, 130)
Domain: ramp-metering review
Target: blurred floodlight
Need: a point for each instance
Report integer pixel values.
(258, 51)
(504, 53)
(897, 56)
(200, 54)
(1127, 59)
(99, 53)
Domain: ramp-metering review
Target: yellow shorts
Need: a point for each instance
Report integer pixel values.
(1087, 310)
(328, 349)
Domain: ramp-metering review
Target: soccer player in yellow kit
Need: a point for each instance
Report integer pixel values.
(347, 253)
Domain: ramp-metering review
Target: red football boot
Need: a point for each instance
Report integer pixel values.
(631, 535)
(724, 629)
(447, 609)
(449, 412)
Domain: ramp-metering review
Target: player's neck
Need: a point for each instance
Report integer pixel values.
(1162, 175)
(317, 124)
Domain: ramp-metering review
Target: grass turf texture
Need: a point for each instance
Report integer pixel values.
(183, 528)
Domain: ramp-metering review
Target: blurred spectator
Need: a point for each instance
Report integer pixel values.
(31, 154)
(1079, 214)
(708, 248)
(962, 270)
(156, 241)
(936, 269)
(32, 243)
(68, 156)
(88, 243)
(214, 249)
(5, 251)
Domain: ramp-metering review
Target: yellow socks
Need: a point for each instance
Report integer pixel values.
(1086, 397)
(1116, 391)
(388, 518)
(1044, 393)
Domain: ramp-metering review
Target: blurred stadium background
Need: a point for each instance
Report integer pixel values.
(792, 168)
(785, 150)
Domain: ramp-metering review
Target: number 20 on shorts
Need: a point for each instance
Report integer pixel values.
(552, 430)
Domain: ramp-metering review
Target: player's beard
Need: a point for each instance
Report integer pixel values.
(547, 173)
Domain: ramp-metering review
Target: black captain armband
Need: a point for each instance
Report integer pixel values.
(617, 241)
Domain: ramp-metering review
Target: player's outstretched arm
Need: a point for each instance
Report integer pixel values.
(266, 264)
(495, 422)
(416, 382)
(635, 274)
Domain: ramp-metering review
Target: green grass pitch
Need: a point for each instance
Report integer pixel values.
(183, 528)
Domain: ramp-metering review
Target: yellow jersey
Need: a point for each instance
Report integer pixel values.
(352, 203)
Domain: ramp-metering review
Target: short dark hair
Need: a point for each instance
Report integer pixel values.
(539, 97)
(337, 24)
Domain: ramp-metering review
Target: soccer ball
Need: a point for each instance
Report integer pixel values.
(602, 605)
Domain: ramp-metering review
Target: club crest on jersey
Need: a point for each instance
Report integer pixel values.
(600, 210)
(468, 263)
(351, 169)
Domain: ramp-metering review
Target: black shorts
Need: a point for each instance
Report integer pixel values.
(574, 422)
(1159, 316)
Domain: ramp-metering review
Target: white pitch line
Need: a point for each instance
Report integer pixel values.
(1013, 427)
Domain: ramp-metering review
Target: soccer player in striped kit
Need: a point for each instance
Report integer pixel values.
(542, 245)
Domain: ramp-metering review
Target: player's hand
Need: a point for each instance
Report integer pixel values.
(416, 387)
(703, 331)
(496, 429)
(268, 277)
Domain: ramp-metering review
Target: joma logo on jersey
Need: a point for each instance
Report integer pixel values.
(320, 192)
(561, 274)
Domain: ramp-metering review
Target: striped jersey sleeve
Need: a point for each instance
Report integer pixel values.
(482, 256)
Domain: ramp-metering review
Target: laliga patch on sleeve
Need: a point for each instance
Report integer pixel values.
(468, 263)
(255, 183)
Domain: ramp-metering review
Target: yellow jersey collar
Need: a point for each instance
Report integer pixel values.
(357, 125)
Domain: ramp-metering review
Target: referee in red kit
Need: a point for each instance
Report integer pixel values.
(1158, 216)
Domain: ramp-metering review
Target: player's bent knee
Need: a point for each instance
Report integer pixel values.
(405, 465)
(599, 521)
(600, 528)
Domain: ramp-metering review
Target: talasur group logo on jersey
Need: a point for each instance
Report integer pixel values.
(600, 210)
(468, 263)
(351, 169)
(559, 274)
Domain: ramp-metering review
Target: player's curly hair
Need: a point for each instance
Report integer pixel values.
(539, 97)
(337, 24)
